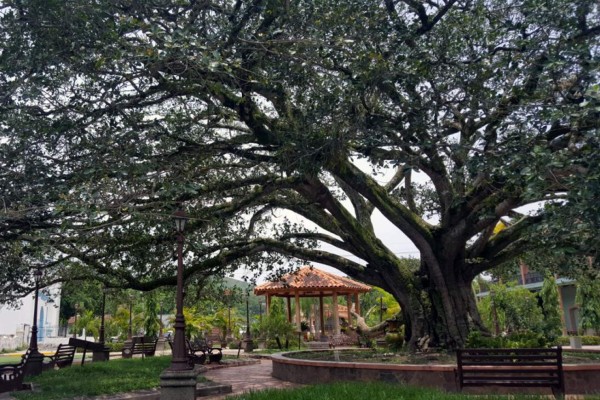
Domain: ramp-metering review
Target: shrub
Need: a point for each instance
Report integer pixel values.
(513, 341)
(394, 341)
(512, 308)
(590, 340)
(115, 346)
(585, 340)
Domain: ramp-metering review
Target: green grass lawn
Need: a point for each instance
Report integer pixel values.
(98, 378)
(16, 358)
(366, 390)
(4, 359)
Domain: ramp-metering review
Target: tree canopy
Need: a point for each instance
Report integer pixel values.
(445, 116)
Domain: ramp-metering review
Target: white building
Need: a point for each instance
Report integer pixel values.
(15, 324)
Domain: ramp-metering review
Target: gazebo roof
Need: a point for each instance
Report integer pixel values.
(309, 281)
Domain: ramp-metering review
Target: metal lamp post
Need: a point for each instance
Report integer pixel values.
(104, 353)
(227, 294)
(248, 347)
(75, 323)
(35, 359)
(101, 339)
(179, 380)
(160, 319)
(130, 331)
(179, 360)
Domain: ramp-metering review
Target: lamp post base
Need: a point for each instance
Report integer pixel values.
(103, 355)
(178, 385)
(248, 345)
(34, 363)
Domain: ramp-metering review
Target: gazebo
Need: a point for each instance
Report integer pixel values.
(309, 281)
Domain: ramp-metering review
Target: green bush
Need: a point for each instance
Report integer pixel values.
(511, 308)
(585, 340)
(394, 341)
(563, 341)
(512, 341)
(115, 346)
(590, 340)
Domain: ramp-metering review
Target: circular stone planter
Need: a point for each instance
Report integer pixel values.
(579, 379)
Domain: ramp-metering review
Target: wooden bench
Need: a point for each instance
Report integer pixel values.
(146, 347)
(511, 367)
(215, 354)
(95, 347)
(11, 377)
(63, 357)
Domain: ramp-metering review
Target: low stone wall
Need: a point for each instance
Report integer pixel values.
(11, 342)
(579, 379)
(310, 372)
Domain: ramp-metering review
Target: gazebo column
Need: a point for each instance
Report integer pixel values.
(349, 311)
(298, 323)
(321, 316)
(289, 309)
(336, 318)
(268, 304)
(357, 303)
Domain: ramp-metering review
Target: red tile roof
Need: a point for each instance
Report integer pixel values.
(310, 281)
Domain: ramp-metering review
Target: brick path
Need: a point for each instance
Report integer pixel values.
(246, 378)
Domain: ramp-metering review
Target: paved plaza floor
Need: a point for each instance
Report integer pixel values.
(246, 378)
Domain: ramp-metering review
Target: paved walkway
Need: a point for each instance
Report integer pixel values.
(246, 378)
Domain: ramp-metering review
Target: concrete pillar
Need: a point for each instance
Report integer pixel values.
(321, 315)
(349, 311)
(298, 322)
(335, 316)
(268, 311)
(178, 385)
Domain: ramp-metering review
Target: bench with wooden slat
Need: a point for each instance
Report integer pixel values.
(512, 368)
(96, 347)
(214, 354)
(63, 357)
(144, 346)
(11, 377)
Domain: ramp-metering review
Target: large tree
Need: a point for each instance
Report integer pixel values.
(445, 116)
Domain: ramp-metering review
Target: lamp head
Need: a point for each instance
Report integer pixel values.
(180, 218)
(37, 275)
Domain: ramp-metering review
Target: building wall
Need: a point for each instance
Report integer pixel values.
(15, 323)
(568, 295)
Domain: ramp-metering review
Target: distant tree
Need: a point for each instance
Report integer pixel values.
(588, 299)
(151, 323)
(513, 308)
(552, 322)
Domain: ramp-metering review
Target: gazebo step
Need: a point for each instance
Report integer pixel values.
(318, 345)
(212, 388)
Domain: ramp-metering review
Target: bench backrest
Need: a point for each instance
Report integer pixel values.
(144, 348)
(510, 367)
(64, 355)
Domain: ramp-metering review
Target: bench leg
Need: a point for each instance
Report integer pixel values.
(558, 393)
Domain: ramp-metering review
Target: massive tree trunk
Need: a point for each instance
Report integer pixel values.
(446, 281)
(444, 310)
(437, 300)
